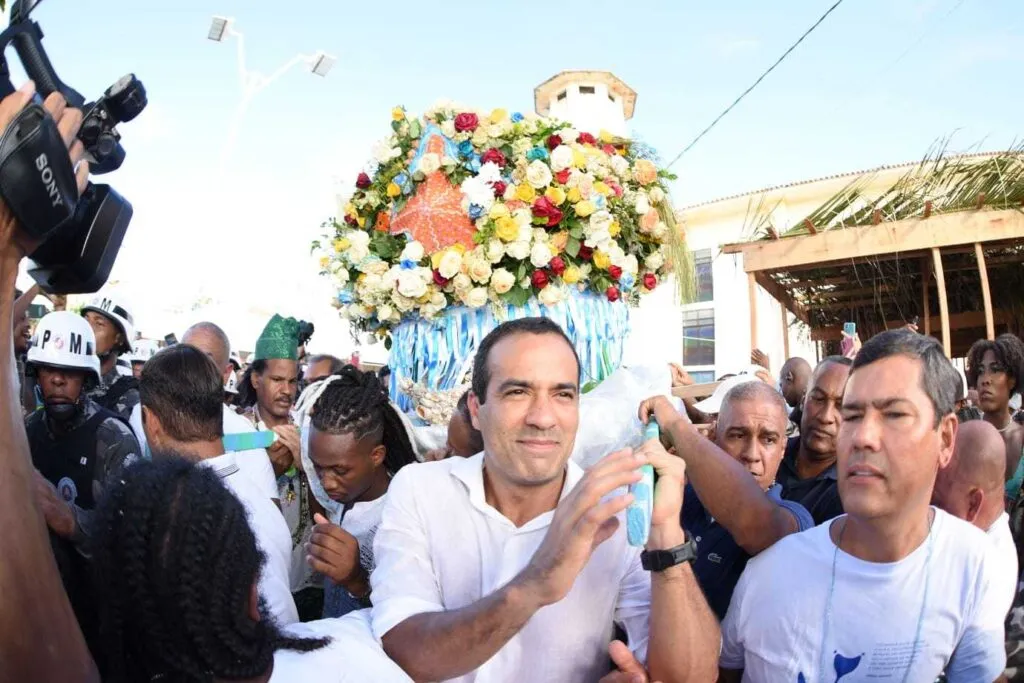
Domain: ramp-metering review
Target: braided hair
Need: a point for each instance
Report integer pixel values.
(357, 403)
(246, 392)
(175, 562)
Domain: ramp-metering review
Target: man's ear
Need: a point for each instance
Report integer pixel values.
(947, 438)
(378, 454)
(151, 426)
(975, 499)
(474, 409)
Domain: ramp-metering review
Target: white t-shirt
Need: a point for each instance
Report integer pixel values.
(352, 656)
(440, 546)
(775, 627)
(254, 464)
(271, 533)
(1004, 561)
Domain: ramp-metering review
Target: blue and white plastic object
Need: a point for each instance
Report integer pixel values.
(639, 512)
(248, 441)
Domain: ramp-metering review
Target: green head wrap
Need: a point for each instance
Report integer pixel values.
(279, 340)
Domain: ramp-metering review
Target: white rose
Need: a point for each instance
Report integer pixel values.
(375, 267)
(521, 146)
(540, 235)
(462, 283)
(495, 250)
(518, 250)
(568, 134)
(352, 311)
(601, 221)
(523, 217)
(642, 205)
(510, 192)
(450, 264)
(561, 158)
(429, 163)
(502, 280)
(657, 195)
(480, 137)
(540, 255)
(384, 151)
(372, 283)
(496, 130)
(660, 230)
(358, 238)
(620, 166)
(413, 252)
(479, 270)
(385, 312)
(630, 264)
(476, 297)
(448, 128)
(538, 174)
(654, 261)
(403, 303)
(551, 295)
(411, 284)
(617, 255)
(341, 274)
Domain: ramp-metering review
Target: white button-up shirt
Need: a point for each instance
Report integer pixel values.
(272, 536)
(440, 546)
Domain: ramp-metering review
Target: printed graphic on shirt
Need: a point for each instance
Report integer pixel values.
(67, 490)
(842, 666)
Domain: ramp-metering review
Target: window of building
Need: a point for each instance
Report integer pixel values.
(586, 90)
(699, 337)
(705, 279)
(561, 96)
(702, 376)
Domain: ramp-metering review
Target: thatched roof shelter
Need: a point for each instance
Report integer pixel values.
(944, 245)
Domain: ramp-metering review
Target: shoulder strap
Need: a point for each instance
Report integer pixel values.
(118, 389)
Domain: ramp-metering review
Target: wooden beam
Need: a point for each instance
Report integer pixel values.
(785, 333)
(910, 235)
(926, 304)
(940, 283)
(695, 390)
(990, 325)
(752, 296)
(782, 295)
(841, 293)
(958, 321)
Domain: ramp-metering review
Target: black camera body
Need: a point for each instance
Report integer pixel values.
(80, 238)
(306, 330)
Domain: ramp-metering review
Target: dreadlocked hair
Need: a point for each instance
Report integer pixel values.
(357, 403)
(246, 391)
(1009, 352)
(175, 562)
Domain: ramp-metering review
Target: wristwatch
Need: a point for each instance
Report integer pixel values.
(660, 560)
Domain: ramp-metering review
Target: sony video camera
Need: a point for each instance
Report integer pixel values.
(80, 235)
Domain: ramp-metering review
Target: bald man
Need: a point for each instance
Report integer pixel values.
(793, 380)
(971, 487)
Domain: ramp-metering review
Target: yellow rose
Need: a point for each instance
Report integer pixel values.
(579, 159)
(571, 275)
(324, 262)
(361, 220)
(604, 136)
(602, 260)
(397, 114)
(526, 193)
(498, 115)
(498, 210)
(394, 190)
(507, 229)
(350, 209)
(614, 229)
(601, 188)
(574, 195)
(559, 240)
(342, 244)
(556, 195)
(585, 208)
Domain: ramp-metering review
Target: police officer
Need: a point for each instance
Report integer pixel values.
(77, 446)
(111, 320)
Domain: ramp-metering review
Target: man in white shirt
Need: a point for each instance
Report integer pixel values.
(513, 564)
(182, 416)
(895, 589)
(255, 464)
(971, 487)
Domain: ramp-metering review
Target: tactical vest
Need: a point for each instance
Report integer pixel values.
(68, 461)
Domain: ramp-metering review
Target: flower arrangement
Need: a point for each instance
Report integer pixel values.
(470, 208)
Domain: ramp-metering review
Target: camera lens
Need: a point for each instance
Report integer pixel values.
(126, 98)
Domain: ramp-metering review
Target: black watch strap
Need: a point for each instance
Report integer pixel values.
(660, 560)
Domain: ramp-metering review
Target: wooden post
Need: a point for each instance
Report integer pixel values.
(926, 308)
(940, 284)
(752, 295)
(785, 334)
(990, 326)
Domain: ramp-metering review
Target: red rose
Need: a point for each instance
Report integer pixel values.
(351, 220)
(615, 272)
(586, 253)
(563, 176)
(609, 150)
(650, 280)
(494, 156)
(499, 188)
(557, 265)
(440, 280)
(544, 208)
(586, 139)
(466, 122)
(554, 141)
(616, 188)
(612, 293)
(362, 181)
(539, 279)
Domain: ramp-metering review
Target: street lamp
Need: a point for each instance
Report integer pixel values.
(253, 82)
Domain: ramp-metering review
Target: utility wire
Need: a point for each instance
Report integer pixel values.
(755, 84)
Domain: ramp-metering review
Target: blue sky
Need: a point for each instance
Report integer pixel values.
(851, 97)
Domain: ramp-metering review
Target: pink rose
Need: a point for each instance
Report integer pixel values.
(466, 122)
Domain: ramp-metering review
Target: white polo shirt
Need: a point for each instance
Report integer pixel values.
(440, 546)
(1003, 563)
(272, 537)
(255, 464)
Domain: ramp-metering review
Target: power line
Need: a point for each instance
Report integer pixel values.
(755, 83)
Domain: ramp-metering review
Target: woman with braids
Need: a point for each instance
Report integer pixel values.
(356, 442)
(176, 574)
(996, 370)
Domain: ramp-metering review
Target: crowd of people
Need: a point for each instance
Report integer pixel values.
(191, 519)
